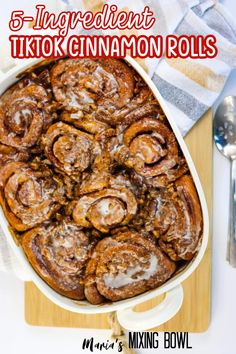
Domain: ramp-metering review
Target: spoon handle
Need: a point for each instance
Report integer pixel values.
(231, 248)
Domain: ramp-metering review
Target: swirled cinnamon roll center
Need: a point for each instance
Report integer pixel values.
(152, 147)
(105, 209)
(24, 115)
(29, 193)
(168, 214)
(73, 151)
(18, 118)
(147, 148)
(105, 82)
(107, 212)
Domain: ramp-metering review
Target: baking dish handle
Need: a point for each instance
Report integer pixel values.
(141, 321)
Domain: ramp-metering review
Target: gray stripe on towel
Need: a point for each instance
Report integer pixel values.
(215, 20)
(181, 99)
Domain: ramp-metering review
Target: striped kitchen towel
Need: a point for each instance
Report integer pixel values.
(189, 86)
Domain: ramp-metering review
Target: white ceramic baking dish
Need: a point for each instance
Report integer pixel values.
(174, 292)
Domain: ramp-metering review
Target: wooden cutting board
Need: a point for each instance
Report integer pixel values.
(194, 315)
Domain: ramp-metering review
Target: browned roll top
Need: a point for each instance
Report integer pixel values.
(105, 209)
(24, 115)
(70, 150)
(150, 148)
(82, 84)
(124, 266)
(28, 197)
(177, 218)
(59, 254)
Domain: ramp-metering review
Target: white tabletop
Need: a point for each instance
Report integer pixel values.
(17, 337)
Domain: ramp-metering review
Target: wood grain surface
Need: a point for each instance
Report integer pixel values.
(194, 315)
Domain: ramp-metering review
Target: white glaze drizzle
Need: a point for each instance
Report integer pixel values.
(122, 279)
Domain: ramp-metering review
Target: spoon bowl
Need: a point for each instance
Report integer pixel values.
(225, 127)
(224, 131)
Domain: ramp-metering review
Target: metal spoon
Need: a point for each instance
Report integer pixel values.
(224, 128)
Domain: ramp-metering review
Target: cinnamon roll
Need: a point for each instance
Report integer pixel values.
(28, 197)
(105, 209)
(82, 84)
(100, 133)
(24, 115)
(176, 217)
(59, 253)
(72, 151)
(125, 266)
(150, 148)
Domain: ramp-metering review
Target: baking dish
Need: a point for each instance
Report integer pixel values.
(174, 293)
